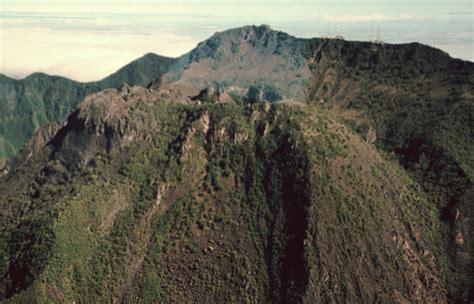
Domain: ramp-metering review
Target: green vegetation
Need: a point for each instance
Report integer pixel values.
(418, 101)
(225, 202)
(29, 103)
(246, 201)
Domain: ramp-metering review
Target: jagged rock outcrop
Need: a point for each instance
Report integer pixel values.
(217, 93)
(42, 137)
(108, 110)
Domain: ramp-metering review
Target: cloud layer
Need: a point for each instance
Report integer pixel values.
(87, 40)
(80, 54)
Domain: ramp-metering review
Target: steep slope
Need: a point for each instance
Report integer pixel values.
(418, 103)
(29, 103)
(411, 100)
(136, 199)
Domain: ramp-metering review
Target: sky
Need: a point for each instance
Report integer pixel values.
(87, 40)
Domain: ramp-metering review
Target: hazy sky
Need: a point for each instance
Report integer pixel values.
(89, 39)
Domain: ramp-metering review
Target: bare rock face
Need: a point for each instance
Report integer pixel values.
(42, 137)
(114, 118)
(215, 93)
(173, 93)
(117, 111)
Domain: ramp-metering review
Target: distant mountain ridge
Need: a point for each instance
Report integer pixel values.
(242, 57)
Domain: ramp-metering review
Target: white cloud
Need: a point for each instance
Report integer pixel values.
(81, 55)
(87, 40)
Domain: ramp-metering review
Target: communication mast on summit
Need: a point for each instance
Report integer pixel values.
(377, 43)
(377, 39)
(338, 34)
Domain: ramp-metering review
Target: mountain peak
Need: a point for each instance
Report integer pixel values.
(258, 30)
(246, 29)
(260, 54)
(256, 36)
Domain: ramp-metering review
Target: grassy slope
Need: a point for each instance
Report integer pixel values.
(224, 203)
